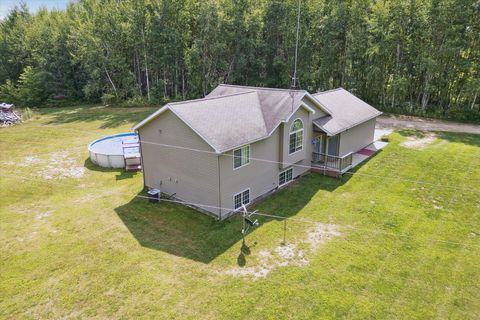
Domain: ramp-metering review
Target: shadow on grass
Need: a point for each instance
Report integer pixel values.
(184, 232)
(110, 117)
(121, 173)
(179, 230)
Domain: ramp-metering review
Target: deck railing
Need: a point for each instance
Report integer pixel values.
(336, 163)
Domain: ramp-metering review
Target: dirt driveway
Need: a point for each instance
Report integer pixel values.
(425, 124)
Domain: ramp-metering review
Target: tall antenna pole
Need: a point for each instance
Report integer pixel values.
(295, 77)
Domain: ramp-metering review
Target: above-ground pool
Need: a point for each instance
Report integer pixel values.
(116, 151)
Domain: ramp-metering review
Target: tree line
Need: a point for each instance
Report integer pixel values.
(411, 56)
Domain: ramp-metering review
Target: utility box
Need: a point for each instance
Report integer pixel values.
(153, 195)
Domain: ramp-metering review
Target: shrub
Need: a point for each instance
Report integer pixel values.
(27, 114)
(8, 92)
(108, 99)
(34, 87)
(136, 101)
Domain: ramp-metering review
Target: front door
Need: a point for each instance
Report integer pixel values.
(319, 144)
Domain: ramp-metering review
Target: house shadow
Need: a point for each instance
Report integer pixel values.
(111, 117)
(121, 173)
(178, 230)
(184, 232)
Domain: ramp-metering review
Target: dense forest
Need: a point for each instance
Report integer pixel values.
(411, 56)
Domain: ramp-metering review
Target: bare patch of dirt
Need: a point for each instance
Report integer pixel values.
(292, 254)
(57, 165)
(28, 161)
(322, 233)
(61, 166)
(42, 215)
(420, 142)
(39, 222)
(90, 197)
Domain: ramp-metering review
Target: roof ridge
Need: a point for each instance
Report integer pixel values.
(262, 112)
(209, 98)
(328, 91)
(259, 88)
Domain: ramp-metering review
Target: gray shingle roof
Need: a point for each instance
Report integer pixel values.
(276, 104)
(346, 111)
(225, 122)
(232, 116)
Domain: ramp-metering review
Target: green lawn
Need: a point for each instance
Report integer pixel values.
(76, 242)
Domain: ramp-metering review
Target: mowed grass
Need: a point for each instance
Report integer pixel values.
(77, 242)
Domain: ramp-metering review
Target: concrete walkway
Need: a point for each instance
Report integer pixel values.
(425, 124)
(367, 152)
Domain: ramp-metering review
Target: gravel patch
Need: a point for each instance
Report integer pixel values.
(292, 254)
(425, 124)
(420, 143)
(57, 165)
(61, 166)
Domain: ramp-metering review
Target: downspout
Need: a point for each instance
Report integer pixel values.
(219, 191)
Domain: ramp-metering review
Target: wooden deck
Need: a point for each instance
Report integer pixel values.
(334, 166)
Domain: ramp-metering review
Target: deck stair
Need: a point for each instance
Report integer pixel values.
(131, 154)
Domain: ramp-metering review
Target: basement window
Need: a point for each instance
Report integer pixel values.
(241, 198)
(285, 177)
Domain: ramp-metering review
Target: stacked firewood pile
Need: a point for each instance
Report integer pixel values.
(8, 116)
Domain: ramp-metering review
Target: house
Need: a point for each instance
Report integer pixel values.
(240, 143)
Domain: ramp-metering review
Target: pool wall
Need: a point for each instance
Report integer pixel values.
(111, 160)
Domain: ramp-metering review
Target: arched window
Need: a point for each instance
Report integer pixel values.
(296, 136)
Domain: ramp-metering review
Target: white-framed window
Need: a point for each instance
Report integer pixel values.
(296, 136)
(285, 177)
(241, 156)
(241, 198)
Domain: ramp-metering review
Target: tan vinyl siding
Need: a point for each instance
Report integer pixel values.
(259, 176)
(357, 137)
(299, 156)
(191, 175)
(262, 176)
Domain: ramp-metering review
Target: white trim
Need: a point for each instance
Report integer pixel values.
(302, 104)
(326, 131)
(167, 106)
(233, 156)
(160, 111)
(286, 182)
(241, 198)
(296, 131)
(149, 118)
(276, 127)
(349, 127)
(319, 105)
(285, 121)
(156, 113)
